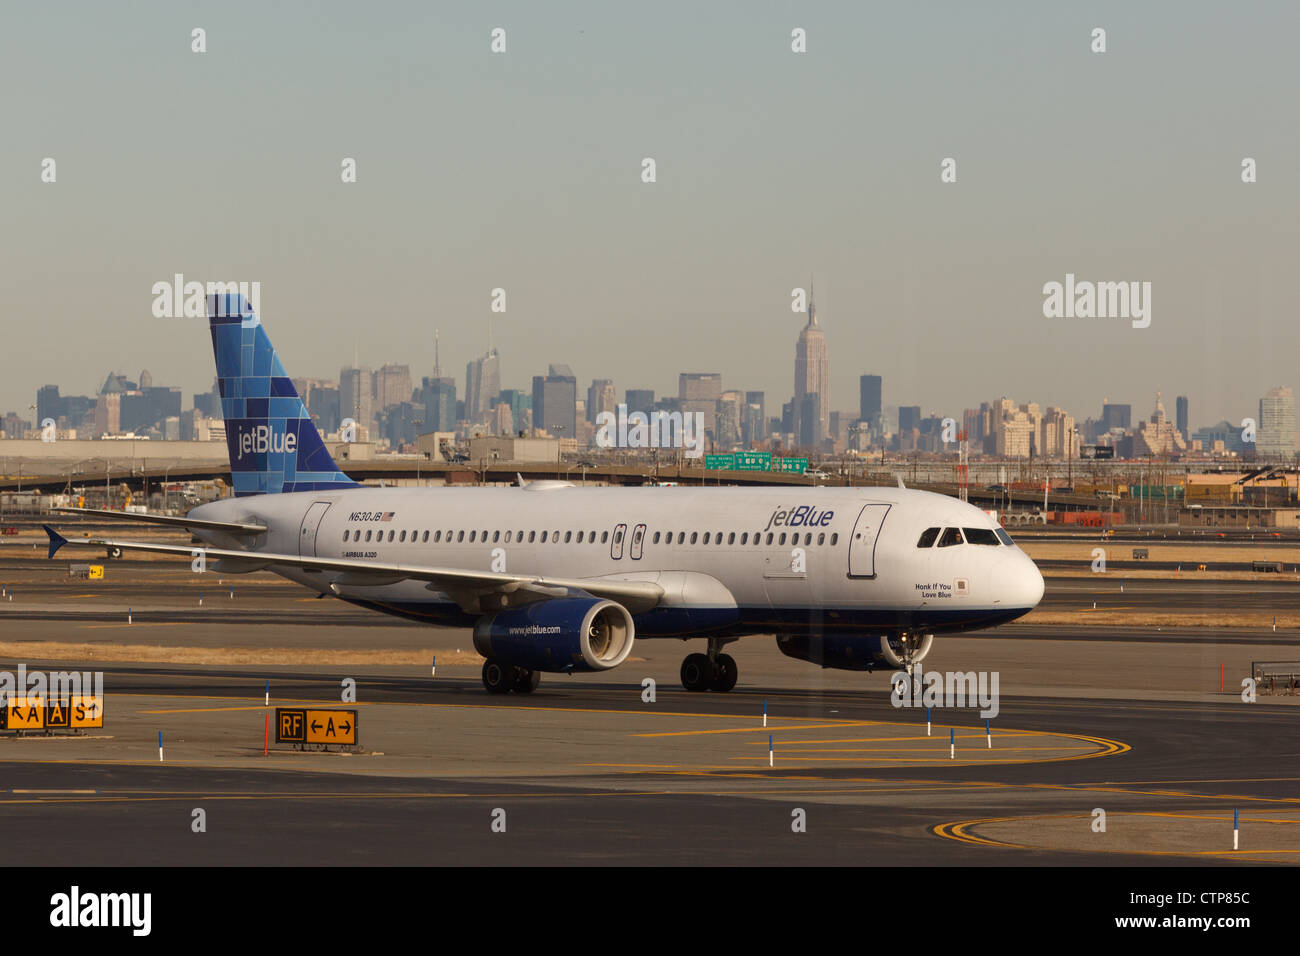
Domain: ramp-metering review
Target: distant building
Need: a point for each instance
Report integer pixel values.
(812, 374)
(600, 398)
(1158, 436)
(1180, 417)
(482, 385)
(555, 402)
(392, 385)
(870, 399)
(439, 403)
(639, 400)
(1116, 416)
(730, 409)
(1275, 436)
(356, 396)
(699, 392)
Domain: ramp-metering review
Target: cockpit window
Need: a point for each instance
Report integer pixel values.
(950, 537)
(1004, 537)
(980, 536)
(927, 537)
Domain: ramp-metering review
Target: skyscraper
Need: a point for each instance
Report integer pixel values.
(870, 393)
(555, 402)
(1180, 415)
(482, 385)
(600, 398)
(639, 400)
(812, 374)
(356, 396)
(699, 392)
(392, 386)
(1276, 435)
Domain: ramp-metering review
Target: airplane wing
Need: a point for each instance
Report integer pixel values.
(232, 527)
(475, 591)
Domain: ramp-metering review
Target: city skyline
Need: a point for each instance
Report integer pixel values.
(758, 183)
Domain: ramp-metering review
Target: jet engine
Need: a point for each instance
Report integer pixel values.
(852, 653)
(564, 634)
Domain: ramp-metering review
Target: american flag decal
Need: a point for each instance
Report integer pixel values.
(387, 516)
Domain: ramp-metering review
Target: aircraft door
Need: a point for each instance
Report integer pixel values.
(616, 542)
(310, 525)
(862, 543)
(638, 538)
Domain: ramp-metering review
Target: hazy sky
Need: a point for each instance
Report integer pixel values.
(522, 170)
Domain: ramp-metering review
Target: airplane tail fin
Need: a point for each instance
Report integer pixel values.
(273, 443)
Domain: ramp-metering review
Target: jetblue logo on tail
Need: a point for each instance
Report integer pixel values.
(261, 439)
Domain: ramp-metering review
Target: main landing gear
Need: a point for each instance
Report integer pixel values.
(711, 671)
(501, 678)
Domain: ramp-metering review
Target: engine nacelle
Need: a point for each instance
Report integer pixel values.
(565, 634)
(853, 653)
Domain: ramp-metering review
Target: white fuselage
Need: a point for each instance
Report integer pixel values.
(730, 560)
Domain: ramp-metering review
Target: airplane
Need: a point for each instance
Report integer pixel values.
(560, 579)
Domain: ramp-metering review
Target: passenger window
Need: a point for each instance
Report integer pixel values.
(980, 536)
(744, 538)
(927, 538)
(403, 537)
(437, 536)
(807, 539)
(821, 538)
(835, 538)
(681, 537)
(368, 533)
(656, 540)
(425, 539)
(391, 535)
(532, 536)
(543, 537)
(769, 537)
(579, 537)
(706, 537)
(496, 536)
(346, 535)
(471, 536)
(731, 538)
(695, 536)
(950, 537)
(460, 536)
(717, 538)
(781, 540)
(568, 536)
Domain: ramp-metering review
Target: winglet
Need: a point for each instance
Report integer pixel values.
(520, 479)
(56, 540)
(900, 482)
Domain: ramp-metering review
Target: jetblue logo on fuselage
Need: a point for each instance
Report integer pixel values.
(262, 438)
(804, 516)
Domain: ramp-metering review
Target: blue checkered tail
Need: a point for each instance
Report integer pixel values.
(273, 443)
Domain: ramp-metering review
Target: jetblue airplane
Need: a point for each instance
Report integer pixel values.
(556, 578)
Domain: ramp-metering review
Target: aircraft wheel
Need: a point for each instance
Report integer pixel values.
(697, 672)
(526, 681)
(727, 672)
(497, 678)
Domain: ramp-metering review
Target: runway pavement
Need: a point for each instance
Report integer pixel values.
(1129, 721)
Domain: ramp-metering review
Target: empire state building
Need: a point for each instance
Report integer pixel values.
(812, 382)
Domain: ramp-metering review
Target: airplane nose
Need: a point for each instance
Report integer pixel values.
(1029, 583)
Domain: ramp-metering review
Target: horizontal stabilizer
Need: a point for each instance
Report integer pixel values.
(232, 527)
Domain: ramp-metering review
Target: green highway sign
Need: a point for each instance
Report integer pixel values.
(719, 462)
(796, 465)
(753, 461)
